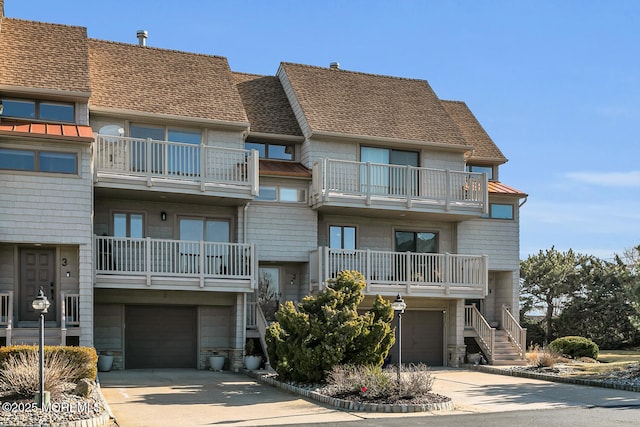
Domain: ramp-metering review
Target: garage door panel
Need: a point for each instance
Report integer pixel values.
(160, 337)
(422, 338)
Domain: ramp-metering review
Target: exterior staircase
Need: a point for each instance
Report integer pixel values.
(505, 346)
(504, 352)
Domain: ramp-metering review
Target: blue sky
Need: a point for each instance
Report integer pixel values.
(556, 84)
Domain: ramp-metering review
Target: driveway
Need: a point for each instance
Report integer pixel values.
(175, 397)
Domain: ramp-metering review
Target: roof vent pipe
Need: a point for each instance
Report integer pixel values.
(142, 37)
(334, 65)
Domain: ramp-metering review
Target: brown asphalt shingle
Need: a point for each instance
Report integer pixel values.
(161, 81)
(266, 104)
(353, 103)
(43, 56)
(483, 146)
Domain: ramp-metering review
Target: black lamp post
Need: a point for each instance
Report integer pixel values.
(398, 307)
(41, 304)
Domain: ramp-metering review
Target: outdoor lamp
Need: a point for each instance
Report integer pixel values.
(41, 304)
(398, 307)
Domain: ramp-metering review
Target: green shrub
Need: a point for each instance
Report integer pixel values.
(325, 330)
(84, 359)
(575, 347)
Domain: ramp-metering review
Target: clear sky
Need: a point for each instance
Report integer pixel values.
(556, 84)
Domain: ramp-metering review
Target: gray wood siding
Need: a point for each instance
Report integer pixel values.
(378, 233)
(47, 208)
(500, 239)
(153, 225)
(282, 231)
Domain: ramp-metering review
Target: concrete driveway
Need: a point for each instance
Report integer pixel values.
(175, 397)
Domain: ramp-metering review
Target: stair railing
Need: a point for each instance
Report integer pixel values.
(486, 334)
(6, 313)
(262, 325)
(516, 333)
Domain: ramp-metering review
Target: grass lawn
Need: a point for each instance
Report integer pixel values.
(610, 361)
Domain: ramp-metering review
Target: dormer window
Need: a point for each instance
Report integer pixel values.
(271, 151)
(481, 169)
(48, 111)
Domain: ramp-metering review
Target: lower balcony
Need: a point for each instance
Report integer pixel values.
(163, 264)
(415, 274)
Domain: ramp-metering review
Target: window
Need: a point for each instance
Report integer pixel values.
(481, 169)
(342, 237)
(176, 159)
(38, 161)
(282, 194)
(39, 110)
(412, 241)
(271, 151)
(128, 225)
(501, 211)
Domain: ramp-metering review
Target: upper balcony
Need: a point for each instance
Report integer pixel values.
(346, 184)
(174, 264)
(409, 273)
(174, 167)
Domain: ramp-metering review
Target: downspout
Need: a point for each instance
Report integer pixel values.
(245, 222)
(522, 204)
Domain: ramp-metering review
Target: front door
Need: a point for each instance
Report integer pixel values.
(37, 269)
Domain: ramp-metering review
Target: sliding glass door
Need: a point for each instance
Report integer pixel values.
(379, 177)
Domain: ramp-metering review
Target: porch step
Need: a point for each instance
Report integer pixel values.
(504, 351)
(30, 336)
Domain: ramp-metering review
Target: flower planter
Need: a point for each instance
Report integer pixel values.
(252, 362)
(105, 362)
(216, 362)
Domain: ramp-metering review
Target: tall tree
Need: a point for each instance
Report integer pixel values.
(600, 308)
(548, 279)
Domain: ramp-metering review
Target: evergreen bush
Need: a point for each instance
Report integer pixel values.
(326, 330)
(575, 347)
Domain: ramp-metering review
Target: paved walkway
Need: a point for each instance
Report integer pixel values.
(197, 398)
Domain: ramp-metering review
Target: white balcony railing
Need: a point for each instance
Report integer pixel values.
(70, 310)
(417, 272)
(175, 161)
(173, 258)
(410, 185)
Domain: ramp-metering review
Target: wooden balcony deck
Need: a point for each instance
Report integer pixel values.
(134, 163)
(346, 184)
(174, 264)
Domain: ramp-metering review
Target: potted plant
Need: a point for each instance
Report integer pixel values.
(216, 361)
(105, 361)
(252, 358)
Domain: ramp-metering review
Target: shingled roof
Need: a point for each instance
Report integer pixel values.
(44, 56)
(483, 146)
(266, 104)
(359, 104)
(160, 81)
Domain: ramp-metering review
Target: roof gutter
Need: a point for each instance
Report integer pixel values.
(347, 137)
(60, 94)
(155, 116)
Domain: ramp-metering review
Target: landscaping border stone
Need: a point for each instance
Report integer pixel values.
(553, 378)
(348, 405)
